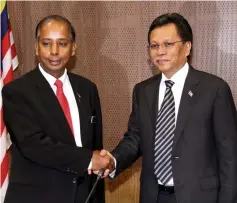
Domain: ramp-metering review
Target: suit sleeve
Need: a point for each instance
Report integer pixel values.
(31, 140)
(225, 129)
(128, 149)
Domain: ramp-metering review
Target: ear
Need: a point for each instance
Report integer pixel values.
(36, 49)
(149, 59)
(148, 51)
(188, 46)
(74, 48)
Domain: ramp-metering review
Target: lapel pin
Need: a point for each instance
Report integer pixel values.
(190, 93)
(79, 97)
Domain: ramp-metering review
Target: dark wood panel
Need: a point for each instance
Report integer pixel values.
(124, 188)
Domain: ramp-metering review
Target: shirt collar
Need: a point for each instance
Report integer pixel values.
(179, 77)
(51, 80)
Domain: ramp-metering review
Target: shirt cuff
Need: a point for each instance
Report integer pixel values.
(90, 165)
(112, 174)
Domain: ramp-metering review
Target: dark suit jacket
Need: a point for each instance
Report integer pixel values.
(204, 156)
(47, 167)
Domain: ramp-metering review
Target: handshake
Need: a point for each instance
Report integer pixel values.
(102, 159)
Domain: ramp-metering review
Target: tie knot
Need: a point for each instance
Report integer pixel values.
(58, 83)
(169, 83)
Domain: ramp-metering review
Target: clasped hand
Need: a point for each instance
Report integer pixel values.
(102, 159)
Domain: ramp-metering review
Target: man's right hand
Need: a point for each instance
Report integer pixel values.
(102, 159)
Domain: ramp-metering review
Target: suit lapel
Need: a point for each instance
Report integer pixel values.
(152, 94)
(52, 106)
(188, 99)
(81, 107)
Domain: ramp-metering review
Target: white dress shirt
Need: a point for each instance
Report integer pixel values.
(178, 78)
(69, 94)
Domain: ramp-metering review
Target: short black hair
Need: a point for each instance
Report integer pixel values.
(182, 25)
(56, 18)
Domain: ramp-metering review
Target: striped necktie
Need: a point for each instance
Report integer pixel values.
(164, 134)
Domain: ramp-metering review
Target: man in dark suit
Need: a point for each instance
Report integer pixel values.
(183, 124)
(54, 120)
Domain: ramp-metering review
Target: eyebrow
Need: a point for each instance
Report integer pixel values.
(56, 39)
(165, 40)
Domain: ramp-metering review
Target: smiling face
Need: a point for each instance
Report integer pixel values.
(170, 56)
(54, 47)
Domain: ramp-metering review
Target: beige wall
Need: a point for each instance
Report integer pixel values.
(112, 40)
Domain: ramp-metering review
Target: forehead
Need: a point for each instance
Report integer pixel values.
(168, 31)
(54, 29)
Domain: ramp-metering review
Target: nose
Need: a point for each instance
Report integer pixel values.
(161, 50)
(54, 49)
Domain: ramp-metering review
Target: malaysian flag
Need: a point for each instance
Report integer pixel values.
(9, 62)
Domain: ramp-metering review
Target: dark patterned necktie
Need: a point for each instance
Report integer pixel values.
(164, 134)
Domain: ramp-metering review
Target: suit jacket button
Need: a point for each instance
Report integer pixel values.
(175, 157)
(74, 180)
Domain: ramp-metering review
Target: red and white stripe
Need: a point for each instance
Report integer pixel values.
(9, 63)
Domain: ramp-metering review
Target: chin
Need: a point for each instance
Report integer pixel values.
(56, 68)
(164, 69)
